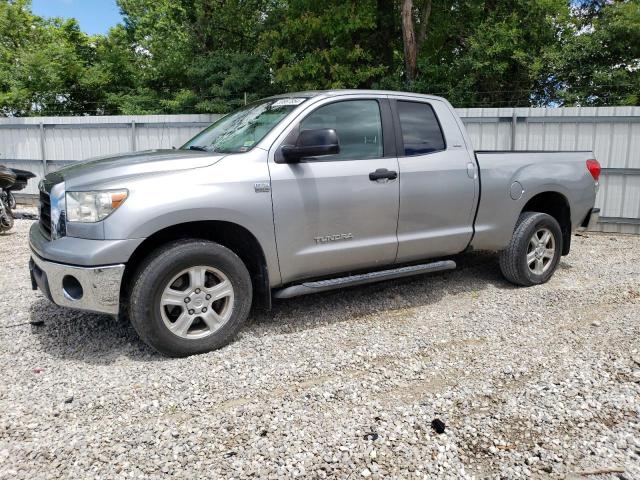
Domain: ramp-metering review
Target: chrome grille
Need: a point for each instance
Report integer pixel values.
(45, 213)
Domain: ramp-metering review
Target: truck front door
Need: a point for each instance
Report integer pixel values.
(329, 215)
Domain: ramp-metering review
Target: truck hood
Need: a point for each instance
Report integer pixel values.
(92, 172)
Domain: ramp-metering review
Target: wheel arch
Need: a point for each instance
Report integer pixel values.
(235, 237)
(557, 205)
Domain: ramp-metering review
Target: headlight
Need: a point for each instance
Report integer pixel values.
(93, 206)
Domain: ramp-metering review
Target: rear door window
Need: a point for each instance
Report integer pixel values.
(421, 132)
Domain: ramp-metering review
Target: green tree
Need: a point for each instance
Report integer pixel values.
(598, 61)
(199, 55)
(179, 56)
(490, 53)
(116, 77)
(330, 44)
(43, 63)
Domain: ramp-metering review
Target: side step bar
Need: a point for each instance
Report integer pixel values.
(322, 285)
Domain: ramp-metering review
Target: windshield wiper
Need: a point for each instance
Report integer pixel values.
(198, 147)
(217, 150)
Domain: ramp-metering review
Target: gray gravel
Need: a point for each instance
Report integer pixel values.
(539, 382)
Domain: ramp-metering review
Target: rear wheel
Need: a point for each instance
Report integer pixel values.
(191, 296)
(534, 251)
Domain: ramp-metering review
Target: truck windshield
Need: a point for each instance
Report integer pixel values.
(239, 131)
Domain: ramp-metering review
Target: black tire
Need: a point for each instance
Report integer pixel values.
(6, 221)
(11, 201)
(513, 259)
(155, 273)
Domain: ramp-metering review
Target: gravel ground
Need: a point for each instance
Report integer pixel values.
(540, 382)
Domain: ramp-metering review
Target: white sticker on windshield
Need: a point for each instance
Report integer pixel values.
(288, 101)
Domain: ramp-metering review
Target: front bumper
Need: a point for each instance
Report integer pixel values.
(81, 251)
(87, 288)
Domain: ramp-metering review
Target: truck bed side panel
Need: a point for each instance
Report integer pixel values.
(538, 172)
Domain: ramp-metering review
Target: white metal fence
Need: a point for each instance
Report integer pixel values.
(613, 133)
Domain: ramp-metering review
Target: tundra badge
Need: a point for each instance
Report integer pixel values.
(333, 238)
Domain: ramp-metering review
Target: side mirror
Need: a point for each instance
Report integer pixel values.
(312, 143)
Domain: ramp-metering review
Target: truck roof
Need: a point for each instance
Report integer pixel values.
(346, 91)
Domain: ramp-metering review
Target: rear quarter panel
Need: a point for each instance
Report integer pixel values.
(538, 172)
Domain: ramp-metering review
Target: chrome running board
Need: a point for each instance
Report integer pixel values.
(307, 288)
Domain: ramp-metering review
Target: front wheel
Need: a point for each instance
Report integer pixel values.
(190, 296)
(534, 251)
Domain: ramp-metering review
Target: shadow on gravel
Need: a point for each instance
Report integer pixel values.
(474, 273)
(101, 339)
(87, 337)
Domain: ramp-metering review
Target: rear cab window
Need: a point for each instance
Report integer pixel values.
(421, 132)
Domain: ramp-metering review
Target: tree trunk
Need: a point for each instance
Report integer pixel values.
(412, 44)
(409, 39)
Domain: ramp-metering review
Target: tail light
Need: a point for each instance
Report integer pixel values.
(594, 168)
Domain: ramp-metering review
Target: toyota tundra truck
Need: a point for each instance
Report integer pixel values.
(292, 195)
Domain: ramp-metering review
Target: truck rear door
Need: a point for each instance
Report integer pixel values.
(334, 213)
(439, 185)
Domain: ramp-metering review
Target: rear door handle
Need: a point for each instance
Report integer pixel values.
(383, 173)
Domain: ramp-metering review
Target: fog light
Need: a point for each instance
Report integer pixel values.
(71, 287)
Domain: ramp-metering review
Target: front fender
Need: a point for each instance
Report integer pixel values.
(223, 192)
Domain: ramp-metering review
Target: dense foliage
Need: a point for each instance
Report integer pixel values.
(183, 56)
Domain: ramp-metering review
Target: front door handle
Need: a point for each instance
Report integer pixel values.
(383, 173)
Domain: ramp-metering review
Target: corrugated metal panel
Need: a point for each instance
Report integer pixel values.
(612, 133)
(79, 138)
(18, 142)
(163, 136)
(82, 143)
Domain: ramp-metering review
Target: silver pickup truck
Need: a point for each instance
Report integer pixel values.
(291, 195)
